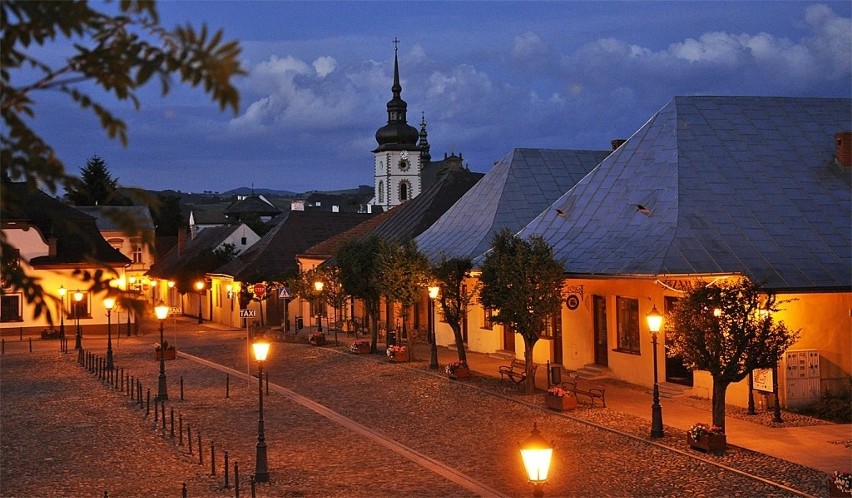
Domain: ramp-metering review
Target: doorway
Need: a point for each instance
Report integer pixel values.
(676, 372)
(601, 346)
(508, 338)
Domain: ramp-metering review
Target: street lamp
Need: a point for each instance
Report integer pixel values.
(318, 285)
(536, 453)
(78, 338)
(162, 312)
(199, 286)
(261, 471)
(109, 302)
(433, 342)
(62, 292)
(655, 321)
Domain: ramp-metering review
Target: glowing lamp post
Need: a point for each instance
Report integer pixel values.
(62, 292)
(199, 286)
(162, 312)
(318, 285)
(536, 453)
(655, 321)
(109, 303)
(433, 342)
(261, 470)
(78, 338)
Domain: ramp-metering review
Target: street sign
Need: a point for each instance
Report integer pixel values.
(284, 293)
(246, 313)
(259, 289)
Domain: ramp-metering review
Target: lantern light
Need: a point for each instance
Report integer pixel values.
(655, 320)
(109, 303)
(161, 310)
(433, 291)
(536, 453)
(261, 348)
(319, 285)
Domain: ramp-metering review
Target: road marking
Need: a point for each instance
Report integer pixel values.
(411, 454)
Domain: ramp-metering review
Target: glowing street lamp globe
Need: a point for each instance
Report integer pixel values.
(536, 453)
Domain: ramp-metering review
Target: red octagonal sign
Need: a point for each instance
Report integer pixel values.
(259, 290)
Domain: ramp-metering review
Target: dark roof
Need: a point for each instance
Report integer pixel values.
(327, 248)
(104, 216)
(274, 255)
(252, 204)
(174, 260)
(716, 185)
(510, 195)
(78, 240)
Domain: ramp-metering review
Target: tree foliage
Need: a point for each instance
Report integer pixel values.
(522, 282)
(455, 296)
(404, 273)
(115, 53)
(358, 261)
(96, 187)
(727, 329)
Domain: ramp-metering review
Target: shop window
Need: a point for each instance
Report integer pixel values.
(10, 308)
(552, 326)
(627, 316)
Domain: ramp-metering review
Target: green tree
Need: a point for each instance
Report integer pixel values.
(96, 187)
(455, 296)
(358, 261)
(522, 282)
(728, 330)
(115, 53)
(404, 274)
(167, 215)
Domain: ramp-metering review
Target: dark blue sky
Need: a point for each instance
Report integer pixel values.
(489, 76)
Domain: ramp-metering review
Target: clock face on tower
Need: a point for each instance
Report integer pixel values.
(403, 165)
(404, 154)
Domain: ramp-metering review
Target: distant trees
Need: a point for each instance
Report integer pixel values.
(727, 329)
(522, 283)
(96, 186)
(112, 53)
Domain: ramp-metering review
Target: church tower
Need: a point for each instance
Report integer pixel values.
(397, 160)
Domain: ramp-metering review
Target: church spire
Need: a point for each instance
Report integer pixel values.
(425, 155)
(397, 131)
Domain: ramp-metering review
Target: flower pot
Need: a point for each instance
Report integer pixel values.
(170, 354)
(560, 404)
(360, 348)
(318, 340)
(460, 373)
(399, 356)
(708, 442)
(833, 490)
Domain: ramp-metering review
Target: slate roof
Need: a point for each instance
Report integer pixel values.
(326, 249)
(274, 255)
(252, 204)
(516, 189)
(729, 184)
(174, 260)
(78, 239)
(140, 215)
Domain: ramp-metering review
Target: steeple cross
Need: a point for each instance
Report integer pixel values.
(395, 43)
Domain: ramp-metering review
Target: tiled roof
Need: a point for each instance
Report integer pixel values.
(516, 189)
(78, 240)
(174, 260)
(274, 255)
(140, 215)
(728, 185)
(327, 248)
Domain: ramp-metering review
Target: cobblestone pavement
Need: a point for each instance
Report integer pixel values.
(64, 433)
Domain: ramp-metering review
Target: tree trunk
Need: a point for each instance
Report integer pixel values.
(459, 341)
(720, 388)
(529, 383)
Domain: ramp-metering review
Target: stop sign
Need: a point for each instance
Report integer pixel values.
(259, 289)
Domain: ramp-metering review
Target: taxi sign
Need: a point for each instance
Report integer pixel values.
(246, 313)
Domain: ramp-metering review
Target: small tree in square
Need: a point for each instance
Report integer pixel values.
(522, 281)
(455, 296)
(727, 329)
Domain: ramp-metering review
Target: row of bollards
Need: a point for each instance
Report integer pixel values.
(125, 383)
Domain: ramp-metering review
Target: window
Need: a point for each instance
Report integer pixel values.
(137, 252)
(381, 193)
(627, 315)
(243, 241)
(79, 309)
(10, 308)
(116, 243)
(404, 190)
(489, 314)
(552, 326)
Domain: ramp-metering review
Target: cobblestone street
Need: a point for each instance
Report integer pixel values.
(65, 433)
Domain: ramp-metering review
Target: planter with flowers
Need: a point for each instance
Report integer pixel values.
(360, 346)
(166, 351)
(840, 483)
(559, 399)
(317, 339)
(705, 437)
(457, 370)
(397, 353)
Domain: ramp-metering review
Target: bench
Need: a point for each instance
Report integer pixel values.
(516, 371)
(576, 385)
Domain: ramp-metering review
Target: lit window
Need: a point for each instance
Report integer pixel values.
(489, 314)
(628, 324)
(137, 253)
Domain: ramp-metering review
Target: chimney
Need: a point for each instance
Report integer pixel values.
(843, 147)
(618, 142)
(181, 241)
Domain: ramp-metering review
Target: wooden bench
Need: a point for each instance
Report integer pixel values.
(516, 371)
(585, 387)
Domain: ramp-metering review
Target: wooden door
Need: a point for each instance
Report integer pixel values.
(601, 347)
(508, 338)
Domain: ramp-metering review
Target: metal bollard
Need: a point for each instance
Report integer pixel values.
(180, 429)
(172, 417)
(253, 484)
(213, 458)
(156, 411)
(131, 390)
(183, 491)
(189, 437)
(2, 346)
(121, 375)
(227, 485)
(200, 450)
(227, 386)
(148, 403)
(139, 393)
(163, 415)
(31, 344)
(181, 387)
(236, 479)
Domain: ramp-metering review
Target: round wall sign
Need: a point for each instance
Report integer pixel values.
(572, 301)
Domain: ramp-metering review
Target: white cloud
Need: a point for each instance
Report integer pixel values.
(325, 66)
